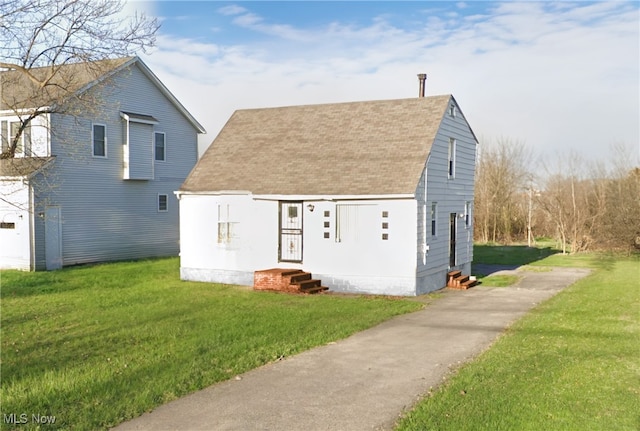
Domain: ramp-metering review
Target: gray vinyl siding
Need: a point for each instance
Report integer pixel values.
(104, 216)
(451, 196)
(140, 161)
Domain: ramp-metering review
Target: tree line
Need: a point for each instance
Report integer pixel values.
(583, 205)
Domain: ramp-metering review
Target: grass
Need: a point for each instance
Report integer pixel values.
(572, 363)
(499, 280)
(510, 254)
(96, 345)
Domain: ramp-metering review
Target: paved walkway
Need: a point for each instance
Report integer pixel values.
(368, 380)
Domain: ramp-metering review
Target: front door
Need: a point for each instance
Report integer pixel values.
(452, 240)
(290, 244)
(52, 238)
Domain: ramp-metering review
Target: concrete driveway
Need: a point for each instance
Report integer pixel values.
(368, 380)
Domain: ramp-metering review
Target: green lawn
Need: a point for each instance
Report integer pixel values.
(96, 345)
(510, 254)
(573, 363)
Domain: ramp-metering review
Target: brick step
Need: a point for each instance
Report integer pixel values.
(307, 284)
(316, 289)
(301, 276)
(287, 280)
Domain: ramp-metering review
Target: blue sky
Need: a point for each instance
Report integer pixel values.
(559, 76)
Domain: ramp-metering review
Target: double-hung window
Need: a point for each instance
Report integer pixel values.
(8, 132)
(163, 203)
(99, 140)
(467, 214)
(434, 215)
(160, 149)
(452, 158)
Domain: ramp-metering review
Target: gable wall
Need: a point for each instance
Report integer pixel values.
(450, 195)
(105, 217)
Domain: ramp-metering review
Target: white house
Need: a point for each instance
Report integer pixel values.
(373, 197)
(96, 185)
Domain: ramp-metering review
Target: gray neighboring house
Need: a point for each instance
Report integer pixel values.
(373, 197)
(99, 186)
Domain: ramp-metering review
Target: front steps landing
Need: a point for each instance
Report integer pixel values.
(287, 280)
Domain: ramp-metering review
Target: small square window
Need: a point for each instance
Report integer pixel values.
(327, 235)
(293, 212)
(327, 224)
(385, 214)
(163, 203)
(385, 225)
(385, 236)
(327, 213)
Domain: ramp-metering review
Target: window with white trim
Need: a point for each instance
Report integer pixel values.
(226, 225)
(159, 146)
(163, 203)
(99, 140)
(8, 132)
(452, 158)
(434, 216)
(467, 214)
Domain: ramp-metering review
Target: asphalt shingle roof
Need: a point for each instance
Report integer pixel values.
(18, 91)
(358, 148)
(22, 166)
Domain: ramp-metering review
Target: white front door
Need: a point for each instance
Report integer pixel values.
(53, 238)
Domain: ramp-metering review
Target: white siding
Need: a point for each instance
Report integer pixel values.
(361, 262)
(138, 152)
(15, 233)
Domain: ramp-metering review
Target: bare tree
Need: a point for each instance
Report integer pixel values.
(501, 201)
(50, 49)
(620, 226)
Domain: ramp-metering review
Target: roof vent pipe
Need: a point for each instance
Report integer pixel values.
(422, 77)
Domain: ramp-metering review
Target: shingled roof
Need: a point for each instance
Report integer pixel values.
(359, 148)
(18, 91)
(22, 166)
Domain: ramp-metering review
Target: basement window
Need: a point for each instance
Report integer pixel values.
(6, 225)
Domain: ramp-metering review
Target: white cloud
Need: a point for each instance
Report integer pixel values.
(232, 10)
(555, 75)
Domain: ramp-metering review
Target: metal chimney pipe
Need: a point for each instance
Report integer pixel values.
(422, 78)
